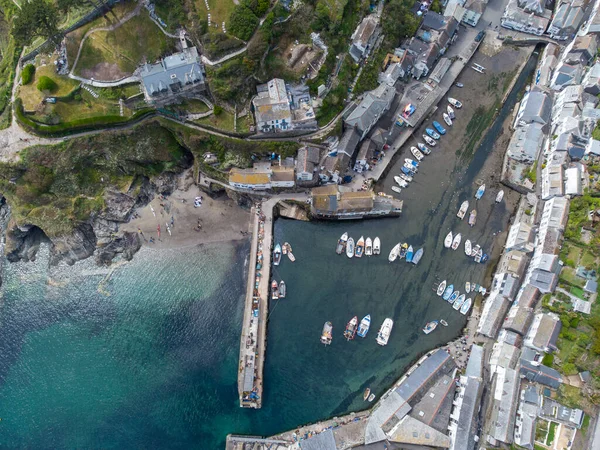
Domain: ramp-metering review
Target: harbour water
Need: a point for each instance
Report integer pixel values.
(145, 354)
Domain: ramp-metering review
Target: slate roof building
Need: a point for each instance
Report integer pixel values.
(519, 319)
(370, 109)
(526, 416)
(552, 410)
(306, 163)
(516, 18)
(272, 107)
(591, 81)
(566, 21)
(526, 143)
(566, 75)
(332, 202)
(536, 107)
(172, 77)
(473, 10)
(553, 183)
(543, 334)
(321, 441)
(493, 311)
(364, 37)
(584, 50)
(574, 183)
(500, 427)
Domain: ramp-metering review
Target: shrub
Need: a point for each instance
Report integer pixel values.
(574, 322)
(27, 73)
(243, 22)
(548, 359)
(218, 110)
(46, 84)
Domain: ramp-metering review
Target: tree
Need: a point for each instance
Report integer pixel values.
(46, 84)
(243, 22)
(36, 18)
(27, 74)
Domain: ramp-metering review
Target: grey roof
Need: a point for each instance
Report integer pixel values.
(433, 20)
(475, 363)
(172, 73)
(371, 108)
(573, 20)
(501, 424)
(531, 395)
(434, 408)
(493, 311)
(591, 286)
(529, 296)
(391, 404)
(554, 410)
(349, 142)
(541, 374)
(519, 319)
(567, 75)
(321, 441)
(417, 380)
(538, 108)
(466, 427)
(544, 281)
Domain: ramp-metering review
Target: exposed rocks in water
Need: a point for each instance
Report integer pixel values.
(74, 247)
(126, 245)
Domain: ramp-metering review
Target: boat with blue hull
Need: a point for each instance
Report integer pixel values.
(438, 127)
(364, 326)
(448, 292)
(417, 256)
(480, 192)
(423, 148)
(430, 326)
(453, 297)
(409, 254)
(432, 133)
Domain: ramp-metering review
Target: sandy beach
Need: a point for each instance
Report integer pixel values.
(217, 220)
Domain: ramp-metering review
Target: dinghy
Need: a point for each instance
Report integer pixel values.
(417, 154)
(396, 189)
(441, 288)
(456, 241)
(447, 119)
(423, 148)
(448, 240)
(450, 112)
(468, 248)
(499, 196)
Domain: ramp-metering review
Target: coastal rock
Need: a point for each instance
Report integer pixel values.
(74, 247)
(127, 245)
(118, 206)
(165, 183)
(23, 243)
(104, 230)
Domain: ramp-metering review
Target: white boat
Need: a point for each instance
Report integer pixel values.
(441, 288)
(405, 177)
(423, 148)
(476, 249)
(468, 248)
(499, 196)
(429, 140)
(450, 112)
(473, 218)
(430, 326)
(477, 69)
(417, 256)
(464, 309)
(448, 240)
(368, 247)
(454, 102)
(291, 256)
(376, 246)
(371, 397)
(411, 168)
(412, 162)
(384, 332)
(417, 153)
(456, 241)
(350, 248)
(396, 189)
(394, 253)
(443, 322)
(447, 119)
(463, 210)
(341, 245)
(360, 247)
(277, 255)
(364, 326)
(468, 287)
(400, 181)
(480, 192)
(459, 302)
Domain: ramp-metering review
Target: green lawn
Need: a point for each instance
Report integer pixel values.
(124, 49)
(541, 429)
(32, 97)
(574, 254)
(568, 274)
(220, 10)
(551, 433)
(587, 260)
(223, 121)
(577, 292)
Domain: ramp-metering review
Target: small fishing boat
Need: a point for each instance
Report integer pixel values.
(326, 335)
(480, 192)
(350, 248)
(291, 256)
(450, 112)
(350, 330)
(409, 254)
(429, 140)
(417, 256)
(499, 196)
(385, 331)
(407, 172)
(423, 148)
(371, 397)
(376, 246)
(274, 290)
(364, 326)
(430, 326)
(412, 162)
(473, 218)
(282, 289)
(459, 85)
(403, 250)
(284, 248)
(417, 153)
(484, 258)
(448, 292)
(410, 167)
(360, 247)
(405, 177)
(368, 247)
(396, 189)
(476, 288)
(447, 119)
(459, 302)
(475, 249)
(430, 132)
(456, 241)
(341, 245)
(277, 255)
(454, 102)
(441, 288)
(468, 248)
(366, 394)
(438, 127)
(468, 287)
(478, 256)
(453, 297)
(443, 322)
(463, 210)
(464, 309)
(400, 181)
(448, 240)
(394, 253)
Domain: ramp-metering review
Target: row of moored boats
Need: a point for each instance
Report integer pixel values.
(453, 241)
(362, 247)
(353, 328)
(285, 250)
(405, 251)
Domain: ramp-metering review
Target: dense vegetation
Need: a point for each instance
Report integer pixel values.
(9, 55)
(46, 84)
(27, 73)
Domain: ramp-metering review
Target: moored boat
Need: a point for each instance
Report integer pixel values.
(443, 322)
(417, 153)
(364, 326)
(411, 162)
(429, 140)
(478, 256)
(396, 189)
(453, 297)
(384, 332)
(432, 133)
(368, 247)
(447, 119)
(407, 172)
(480, 192)
(274, 290)
(409, 254)
(423, 148)
(341, 245)
(371, 397)
(402, 183)
(448, 292)
(366, 394)
(441, 288)
(475, 249)
(454, 102)
(405, 177)
(459, 302)
(450, 112)
(468, 248)
(417, 256)
(350, 248)
(277, 255)
(394, 253)
(410, 167)
(463, 210)
(468, 287)
(326, 335)
(350, 330)
(284, 248)
(499, 196)
(360, 247)
(403, 250)
(448, 240)
(282, 289)
(376, 246)
(473, 218)
(464, 309)
(456, 241)
(430, 326)
(438, 127)
(291, 256)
